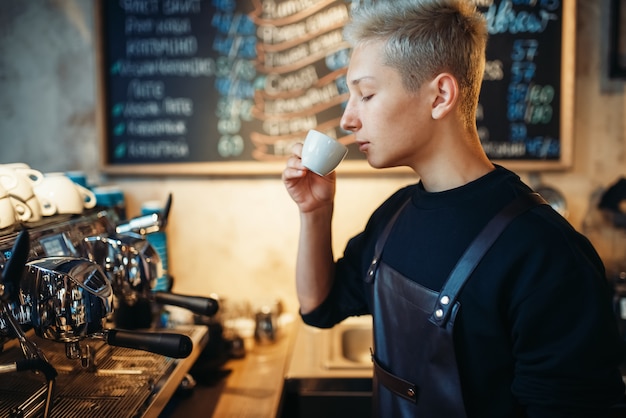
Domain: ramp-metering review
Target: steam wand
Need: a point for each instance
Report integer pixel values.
(144, 225)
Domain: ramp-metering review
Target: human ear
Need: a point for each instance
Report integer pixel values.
(446, 95)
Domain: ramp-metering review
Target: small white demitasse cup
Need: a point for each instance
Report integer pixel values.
(19, 180)
(58, 194)
(322, 154)
(8, 217)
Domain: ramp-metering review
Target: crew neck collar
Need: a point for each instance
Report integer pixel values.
(474, 189)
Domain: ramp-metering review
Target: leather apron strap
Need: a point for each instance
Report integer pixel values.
(395, 384)
(380, 244)
(475, 252)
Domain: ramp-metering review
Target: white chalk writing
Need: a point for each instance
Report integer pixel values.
(157, 128)
(175, 149)
(300, 80)
(303, 102)
(192, 67)
(156, 47)
(271, 10)
(505, 18)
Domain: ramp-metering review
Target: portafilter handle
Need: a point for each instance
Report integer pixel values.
(196, 304)
(168, 344)
(9, 289)
(14, 268)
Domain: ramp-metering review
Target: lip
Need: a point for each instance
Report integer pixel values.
(363, 146)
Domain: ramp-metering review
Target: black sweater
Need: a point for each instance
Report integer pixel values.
(535, 327)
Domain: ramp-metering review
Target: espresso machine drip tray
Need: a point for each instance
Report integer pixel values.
(119, 382)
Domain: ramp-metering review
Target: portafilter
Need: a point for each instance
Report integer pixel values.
(132, 265)
(70, 298)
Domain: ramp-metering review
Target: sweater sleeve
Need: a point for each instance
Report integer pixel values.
(348, 296)
(565, 341)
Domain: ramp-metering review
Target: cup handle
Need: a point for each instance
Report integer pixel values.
(34, 176)
(89, 197)
(22, 210)
(48, 208)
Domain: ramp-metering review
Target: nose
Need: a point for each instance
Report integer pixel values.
(350, 120)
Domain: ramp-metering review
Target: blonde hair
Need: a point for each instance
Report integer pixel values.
(425, 38)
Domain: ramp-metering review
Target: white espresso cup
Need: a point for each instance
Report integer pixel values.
(322, 154)
(8, 217)
(19, 181)
(58, 194)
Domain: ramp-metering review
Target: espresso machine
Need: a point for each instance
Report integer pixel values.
(133, 266)
(57, 322)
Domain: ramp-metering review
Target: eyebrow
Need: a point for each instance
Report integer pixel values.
(357, 81)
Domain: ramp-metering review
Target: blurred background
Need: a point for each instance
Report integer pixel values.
(237, 236)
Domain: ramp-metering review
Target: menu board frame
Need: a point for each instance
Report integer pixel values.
(352, 166)
(617, 39)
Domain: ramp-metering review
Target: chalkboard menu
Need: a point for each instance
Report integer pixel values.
(526, 102)
(225, 86)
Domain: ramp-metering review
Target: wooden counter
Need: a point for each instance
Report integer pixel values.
(252, 389)
(255, 385)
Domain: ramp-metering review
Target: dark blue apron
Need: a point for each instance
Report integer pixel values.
(415, 369)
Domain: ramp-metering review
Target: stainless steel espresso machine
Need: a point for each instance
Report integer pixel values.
(62, 354)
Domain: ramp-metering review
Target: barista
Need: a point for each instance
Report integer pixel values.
(533, 332)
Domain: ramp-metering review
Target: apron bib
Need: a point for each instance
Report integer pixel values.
(415, 368)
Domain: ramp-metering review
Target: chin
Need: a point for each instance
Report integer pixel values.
(378, 164)
(381, 165)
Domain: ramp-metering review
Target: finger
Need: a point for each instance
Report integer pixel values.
(294, 162)
(297, 149)
(292, 173)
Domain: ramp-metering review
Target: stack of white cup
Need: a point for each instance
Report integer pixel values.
(19, 180)
(26, 195)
